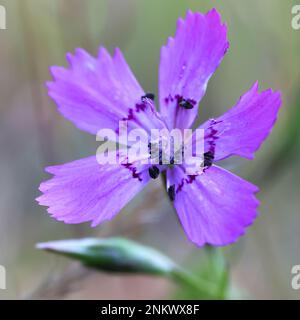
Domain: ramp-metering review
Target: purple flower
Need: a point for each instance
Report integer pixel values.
(214, 207)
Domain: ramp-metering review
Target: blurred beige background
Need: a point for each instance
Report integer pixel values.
(33, 135)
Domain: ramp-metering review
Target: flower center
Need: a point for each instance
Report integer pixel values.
(165, 152)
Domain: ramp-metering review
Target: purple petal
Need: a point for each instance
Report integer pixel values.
(242, 129)
(96, 93)
(187, 63)
(84, 190)
(215, 207)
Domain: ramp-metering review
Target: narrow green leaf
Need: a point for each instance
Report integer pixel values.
(113, 254)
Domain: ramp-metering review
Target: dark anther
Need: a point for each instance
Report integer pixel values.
(149, 148)
(160, 153)
(153, 172)
(186, 104)
(160, 157)
(208, 158)
(171, 192)
(150, 96)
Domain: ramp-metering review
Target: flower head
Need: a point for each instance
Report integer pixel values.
(213, 205)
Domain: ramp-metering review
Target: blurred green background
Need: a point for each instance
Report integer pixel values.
(33, 135)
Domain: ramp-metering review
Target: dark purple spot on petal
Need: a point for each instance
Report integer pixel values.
(133, 170)
(138, 108)
(211, 136)
(190, 179)
(129, 116)
(169, 99)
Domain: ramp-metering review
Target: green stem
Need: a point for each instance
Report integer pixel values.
(201, 287)
(217, 258)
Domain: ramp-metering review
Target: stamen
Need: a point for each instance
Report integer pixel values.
(186, 104)
(149, 148)
(150, 96)
(160, 153)
(153, 172)
(171, 192)
(208, 158)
